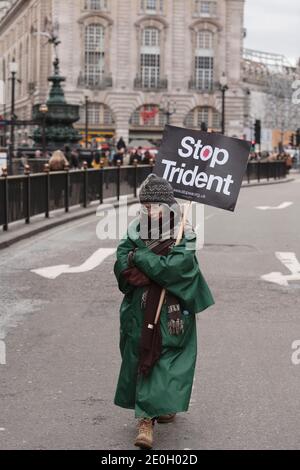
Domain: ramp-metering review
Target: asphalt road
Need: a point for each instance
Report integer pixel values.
(61, 337)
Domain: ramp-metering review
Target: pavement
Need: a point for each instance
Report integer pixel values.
(59, 327)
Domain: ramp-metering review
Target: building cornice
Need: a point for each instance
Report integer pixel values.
(12, 13)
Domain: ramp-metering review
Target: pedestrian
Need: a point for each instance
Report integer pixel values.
(136, 156)
(58, 161)
(121, 144)
(119, 157)
(156, 374)
(75, 159)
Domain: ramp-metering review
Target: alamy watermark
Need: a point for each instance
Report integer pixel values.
(296, 94)
(296, 354)
(2, 353)
(165, 221)
(2, 92)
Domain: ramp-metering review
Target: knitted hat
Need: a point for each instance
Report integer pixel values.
(156, 189)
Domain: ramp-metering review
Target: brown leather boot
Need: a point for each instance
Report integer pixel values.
(164, 419)
(144, 438)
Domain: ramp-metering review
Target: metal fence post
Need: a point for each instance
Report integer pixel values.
(268, 170)
(47, 189)
(135, 182)
(118, 179)
(67, 186)
(85, 184)
(101, 178)
(248, 172)
(258, 171)
(28, 193)
(5, 176)
(151, 164)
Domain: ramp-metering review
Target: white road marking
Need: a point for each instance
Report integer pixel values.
(290, 261)
(52, 272)
(284, 205)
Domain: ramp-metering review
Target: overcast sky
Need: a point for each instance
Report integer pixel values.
(273, 26)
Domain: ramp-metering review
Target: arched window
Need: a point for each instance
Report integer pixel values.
(203, 114)
(204, 60)
(94, 54)
(150, 58)
(96, 5)
(98, 115)
(148, 116)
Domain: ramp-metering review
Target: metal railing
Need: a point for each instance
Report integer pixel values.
(265, 170)
(27, 195)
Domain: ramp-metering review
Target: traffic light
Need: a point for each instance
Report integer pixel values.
(298, 137)
(257, 131)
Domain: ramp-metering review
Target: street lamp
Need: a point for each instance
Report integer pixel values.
(168, 107)
(223, 88)
(13, 69)
(44, 110)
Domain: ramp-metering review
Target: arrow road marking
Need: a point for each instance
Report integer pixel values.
(290, 261)
(52, 272)
(284, 205)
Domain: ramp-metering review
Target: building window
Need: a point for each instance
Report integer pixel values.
(152, 6)
(148, 115)
(206, 8)
(94, 54)
(204, 61)
(203, 114)
(150, 58)
(98, 115)
(95, 5)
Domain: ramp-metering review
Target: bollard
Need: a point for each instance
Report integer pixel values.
(28, 193)
(47, 189)
(5, 176)
(67, 186)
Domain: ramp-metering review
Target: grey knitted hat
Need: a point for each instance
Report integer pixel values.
(156, 189)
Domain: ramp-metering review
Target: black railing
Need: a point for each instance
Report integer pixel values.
(27, 195)
(265, 170)
(24, 196)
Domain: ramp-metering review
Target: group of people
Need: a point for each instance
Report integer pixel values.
(121, 155)
(273, 157)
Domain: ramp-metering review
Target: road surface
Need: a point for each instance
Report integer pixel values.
(59, 328)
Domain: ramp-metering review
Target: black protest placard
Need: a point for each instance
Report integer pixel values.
(203, 167)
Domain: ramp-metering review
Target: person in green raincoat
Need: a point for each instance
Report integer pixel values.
(156, 374)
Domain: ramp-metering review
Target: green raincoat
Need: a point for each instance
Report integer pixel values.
(168, 387)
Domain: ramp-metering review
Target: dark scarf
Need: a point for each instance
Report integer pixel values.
(151, 338)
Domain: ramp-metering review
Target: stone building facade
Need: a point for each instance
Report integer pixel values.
(133, 59)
